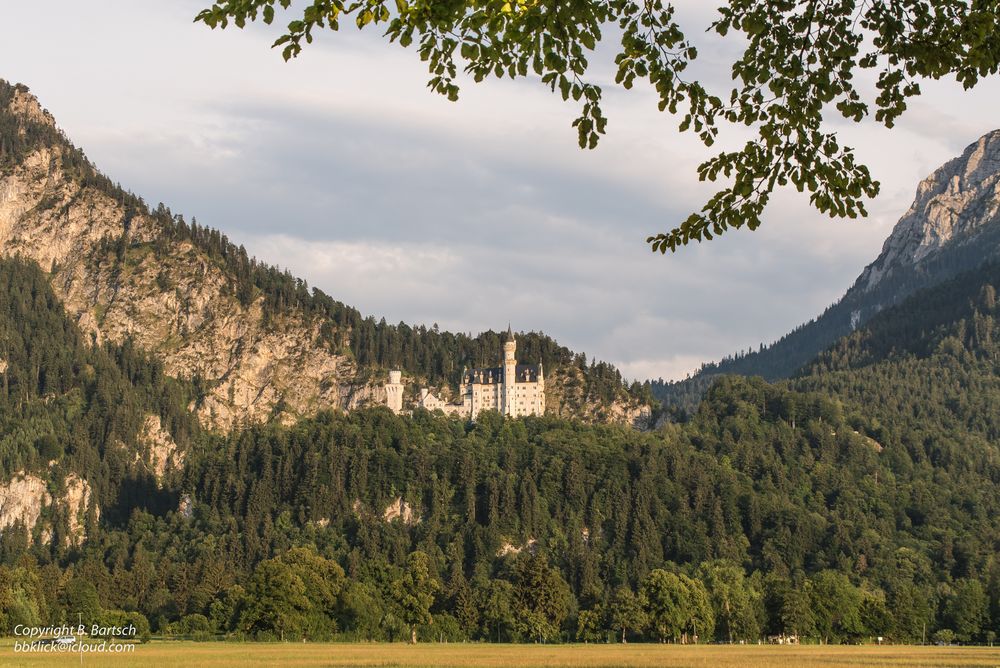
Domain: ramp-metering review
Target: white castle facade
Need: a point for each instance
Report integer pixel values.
(511, 389)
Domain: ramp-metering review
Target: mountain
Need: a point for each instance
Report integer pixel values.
(932, 360)
(257, 343)
(856, 499)
(952, 226)
(870, 479)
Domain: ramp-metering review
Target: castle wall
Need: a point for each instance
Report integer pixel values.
(433, 403)
(485, 397)
(528, 399)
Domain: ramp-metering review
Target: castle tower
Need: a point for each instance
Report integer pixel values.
(509, 373)
(394, 391)
(467, 392)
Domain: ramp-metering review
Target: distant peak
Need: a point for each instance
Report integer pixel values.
(956, 202)
(982, 159)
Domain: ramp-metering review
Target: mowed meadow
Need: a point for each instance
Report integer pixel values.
(462, 655)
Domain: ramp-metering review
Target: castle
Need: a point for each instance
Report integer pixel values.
(511, 389)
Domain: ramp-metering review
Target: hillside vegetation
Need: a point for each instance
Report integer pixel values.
(855, 500)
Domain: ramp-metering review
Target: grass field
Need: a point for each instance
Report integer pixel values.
(224, 655)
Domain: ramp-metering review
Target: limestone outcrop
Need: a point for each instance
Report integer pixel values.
(76, 500)
(160, 453)
(25, 497)
(402, 511)
(22, 499)
(959, 200)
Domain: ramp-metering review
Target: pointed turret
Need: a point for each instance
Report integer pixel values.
(509, 370)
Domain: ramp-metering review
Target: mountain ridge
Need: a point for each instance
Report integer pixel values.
(938, 213)
(953, 225)
(260, 344)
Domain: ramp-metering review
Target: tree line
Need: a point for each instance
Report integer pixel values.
(302, 595)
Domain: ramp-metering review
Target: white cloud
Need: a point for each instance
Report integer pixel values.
(674, 367)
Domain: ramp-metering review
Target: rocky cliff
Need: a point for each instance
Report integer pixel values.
(122, 274)
(25, 501)
(178, 305)
(956, 203)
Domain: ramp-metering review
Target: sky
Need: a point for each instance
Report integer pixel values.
(342, 167)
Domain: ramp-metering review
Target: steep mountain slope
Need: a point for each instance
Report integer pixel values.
(257, 342)
(952, 226)
(933, 359)
(85, 431)
(878, 467)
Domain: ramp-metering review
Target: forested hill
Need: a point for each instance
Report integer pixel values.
(927, 371)
(951, 227)
(104, 419)
(956, 317)
(857, 499)
(259, 344)
(854, 501)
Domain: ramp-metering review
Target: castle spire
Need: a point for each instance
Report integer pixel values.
(510, 333)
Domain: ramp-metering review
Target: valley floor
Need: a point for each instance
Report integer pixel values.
(460, 655)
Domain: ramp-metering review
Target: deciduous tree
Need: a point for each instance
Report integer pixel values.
(626, 612)
(798, 65)
(414, 592)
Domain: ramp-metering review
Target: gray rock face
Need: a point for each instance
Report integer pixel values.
(954, 203)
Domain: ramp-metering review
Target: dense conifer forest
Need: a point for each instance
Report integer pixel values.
(855, 500)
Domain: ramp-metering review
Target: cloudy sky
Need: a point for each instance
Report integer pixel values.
(342, 167)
